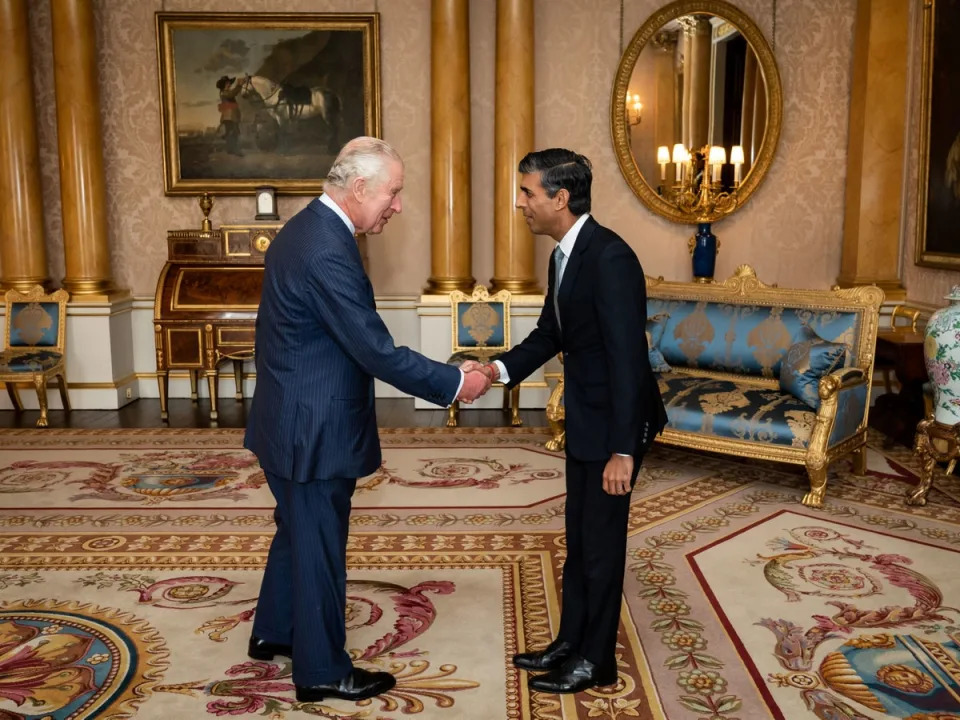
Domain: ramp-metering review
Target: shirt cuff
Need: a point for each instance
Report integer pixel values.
(504, 375)
(623, 454)
(459, 388)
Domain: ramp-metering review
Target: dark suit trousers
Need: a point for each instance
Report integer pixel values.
(596, 532)
(304, 592)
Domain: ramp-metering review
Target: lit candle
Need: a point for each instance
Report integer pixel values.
(679, 157)
(736, 157)
(663, 157)
(717, 157)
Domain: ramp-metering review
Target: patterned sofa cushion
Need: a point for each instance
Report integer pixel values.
(738, 411)
(809, 359)
(656, 326)
(743, 338)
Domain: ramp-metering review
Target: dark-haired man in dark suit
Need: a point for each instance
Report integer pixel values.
(595, 313)
(313, 426)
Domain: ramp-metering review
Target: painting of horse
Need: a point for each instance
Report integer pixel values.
(257, 98)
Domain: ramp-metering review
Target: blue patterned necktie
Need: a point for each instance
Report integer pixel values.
(559, 261)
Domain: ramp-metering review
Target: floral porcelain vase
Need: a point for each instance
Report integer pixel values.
(941, 351)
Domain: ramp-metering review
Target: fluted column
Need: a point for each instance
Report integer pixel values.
(746, 114)
(876, 154)
(80, 138)
(686, 127)
(513, 138)
(450, 245)
(665, 47)
(23, 254)
(699, 83)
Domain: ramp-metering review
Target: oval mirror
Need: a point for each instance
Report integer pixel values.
(697, 76)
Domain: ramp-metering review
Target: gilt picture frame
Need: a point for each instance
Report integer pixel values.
(938, 197)
(254, 99)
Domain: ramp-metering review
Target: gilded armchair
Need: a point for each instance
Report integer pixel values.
(34, 340)
(481, 332)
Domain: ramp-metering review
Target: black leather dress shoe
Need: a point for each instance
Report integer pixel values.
(549, 659)
(359, 684)
(574, 675)
(262, 650)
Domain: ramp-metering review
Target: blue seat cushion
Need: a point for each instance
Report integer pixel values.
(740, 411)
(809, 359)
(28, 362)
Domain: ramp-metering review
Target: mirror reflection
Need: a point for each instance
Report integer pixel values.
(696, 106)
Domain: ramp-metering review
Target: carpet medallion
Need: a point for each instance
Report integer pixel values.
(130, 563)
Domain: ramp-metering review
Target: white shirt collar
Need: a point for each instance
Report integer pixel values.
(328, 201)
(568, 240)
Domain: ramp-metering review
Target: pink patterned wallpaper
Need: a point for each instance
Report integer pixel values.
(790, 231)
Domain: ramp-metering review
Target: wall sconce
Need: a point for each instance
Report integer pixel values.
(634, 109)
(266, 203)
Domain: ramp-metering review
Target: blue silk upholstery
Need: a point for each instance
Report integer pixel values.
(480, 325)
(34, 324)
(808, 360)
(851, 403)
(735, 410)
(656, 326)
(745, 339)
(28, 362)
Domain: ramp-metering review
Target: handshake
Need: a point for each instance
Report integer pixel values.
(477, 379)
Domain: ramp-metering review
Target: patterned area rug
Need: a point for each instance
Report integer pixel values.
(130, 563)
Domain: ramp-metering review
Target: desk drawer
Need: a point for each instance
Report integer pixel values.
(184, 347)
(238, 335)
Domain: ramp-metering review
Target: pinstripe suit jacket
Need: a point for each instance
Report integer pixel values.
(319, 345)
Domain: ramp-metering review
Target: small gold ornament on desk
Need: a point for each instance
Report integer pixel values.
(206, 205)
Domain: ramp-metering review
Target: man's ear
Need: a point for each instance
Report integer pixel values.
(561, 199)
(359, 188)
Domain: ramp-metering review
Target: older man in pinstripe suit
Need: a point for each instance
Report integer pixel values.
(320, 343)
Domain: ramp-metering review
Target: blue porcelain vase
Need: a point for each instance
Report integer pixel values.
(704, 253)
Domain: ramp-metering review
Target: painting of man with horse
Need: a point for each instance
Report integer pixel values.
(255, 98)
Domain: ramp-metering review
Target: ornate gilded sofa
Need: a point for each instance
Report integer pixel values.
(725, 343)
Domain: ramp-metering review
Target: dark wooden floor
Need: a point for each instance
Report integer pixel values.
(391, 413)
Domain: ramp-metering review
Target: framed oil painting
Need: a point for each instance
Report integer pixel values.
(253, 99)
(938, 207)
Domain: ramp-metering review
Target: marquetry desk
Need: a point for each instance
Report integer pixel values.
(205, 308)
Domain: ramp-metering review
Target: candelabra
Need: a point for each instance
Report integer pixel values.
(699, 194)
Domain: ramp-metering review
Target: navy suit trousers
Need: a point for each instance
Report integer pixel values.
(596, 535)
(304, 592)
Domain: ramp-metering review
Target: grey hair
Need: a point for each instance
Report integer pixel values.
(362, 157)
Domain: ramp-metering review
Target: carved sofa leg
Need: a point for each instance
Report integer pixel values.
(818, 485)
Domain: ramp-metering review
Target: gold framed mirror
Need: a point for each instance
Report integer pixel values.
(696, 77)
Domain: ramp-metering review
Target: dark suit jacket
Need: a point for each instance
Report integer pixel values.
(319, 345)
(611, 399)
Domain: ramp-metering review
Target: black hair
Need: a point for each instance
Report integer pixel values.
(564, 169)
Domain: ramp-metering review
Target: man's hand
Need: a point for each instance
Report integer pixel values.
(488, 369)
(617, 474)
(470, 366)
(475, 384)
